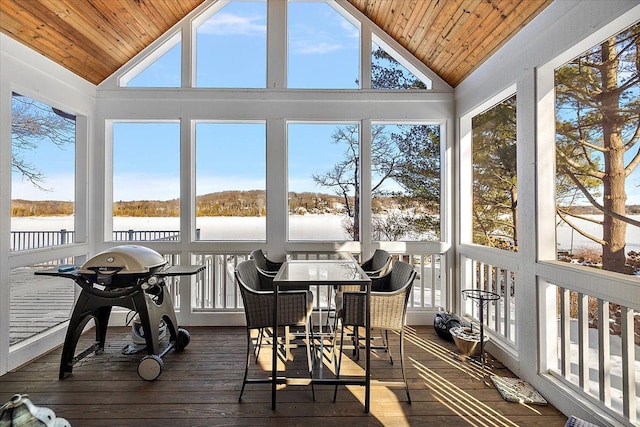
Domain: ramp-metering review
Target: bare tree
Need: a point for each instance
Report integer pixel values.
(344, 177)
(32, 123)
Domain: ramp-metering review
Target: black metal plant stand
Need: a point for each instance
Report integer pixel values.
(482, 298)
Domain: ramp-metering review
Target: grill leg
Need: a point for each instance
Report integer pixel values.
(86, 308)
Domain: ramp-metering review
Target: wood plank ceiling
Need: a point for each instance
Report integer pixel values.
(94, 38)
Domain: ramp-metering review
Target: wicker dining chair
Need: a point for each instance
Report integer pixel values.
(294, 309)
(265, 264)
(388, 313)
(378, 264)
(375, 267)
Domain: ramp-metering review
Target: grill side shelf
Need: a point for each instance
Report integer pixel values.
(181, 270)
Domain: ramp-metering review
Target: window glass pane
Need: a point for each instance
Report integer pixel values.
(495, 190)
(324, 48)
(38, 303)
(324, 181)
(231, 47)
(388, 73)
(146, 181)
(42, 174)
(405, 182)
(166, 71)
(231, 201)
(597, 143)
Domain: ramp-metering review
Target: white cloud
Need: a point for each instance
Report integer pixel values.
(227, 23)
(350, 30)
(312, 47)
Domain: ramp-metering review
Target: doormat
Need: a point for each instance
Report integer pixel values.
(516, 390)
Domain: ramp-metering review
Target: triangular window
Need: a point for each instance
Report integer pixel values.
(162, 68)
(390, 71)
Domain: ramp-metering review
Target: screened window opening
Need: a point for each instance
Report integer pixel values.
(597, 141)
(146, 181)
(324, 181)
(405, 182)
(231, 200)
(30, 313)
(495, 177)
(43, 158)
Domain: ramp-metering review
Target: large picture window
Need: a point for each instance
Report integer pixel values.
(146, 181)
(324, 181)
(231, 200)
(495, 180)
(597, 143)
(405, 182)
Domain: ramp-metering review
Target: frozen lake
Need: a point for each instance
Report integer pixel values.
(325, 227)
(302, 227)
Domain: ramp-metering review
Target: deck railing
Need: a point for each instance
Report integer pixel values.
(499, 316)
(597, 351)
(216, 290)
(25, 240)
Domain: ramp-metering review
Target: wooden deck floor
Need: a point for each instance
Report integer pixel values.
(200, 387)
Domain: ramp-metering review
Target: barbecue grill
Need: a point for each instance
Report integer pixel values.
(127, 276)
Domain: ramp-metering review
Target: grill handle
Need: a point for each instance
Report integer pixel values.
(104, 274)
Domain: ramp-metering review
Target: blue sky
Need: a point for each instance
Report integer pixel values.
(231, 52)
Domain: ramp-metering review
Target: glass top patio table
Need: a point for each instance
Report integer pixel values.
(341, 270)
(321, 272)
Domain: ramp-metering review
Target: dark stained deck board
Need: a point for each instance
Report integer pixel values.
(200, 387)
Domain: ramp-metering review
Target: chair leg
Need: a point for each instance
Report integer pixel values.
(314, 356)
(356, 342)
(258, 346)
(246, 368)
(404, 377)
(309, 360)
(338, 362)
(287, 343)
(386, 345)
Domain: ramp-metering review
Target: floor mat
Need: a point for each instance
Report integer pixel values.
(516, 390)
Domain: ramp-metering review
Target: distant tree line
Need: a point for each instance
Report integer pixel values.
(21, 207)
(224, 203)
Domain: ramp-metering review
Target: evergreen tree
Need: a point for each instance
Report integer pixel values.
(598, 129)
(495, 191)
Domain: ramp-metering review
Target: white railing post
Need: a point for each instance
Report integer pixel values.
(604, 355)
(628, 364)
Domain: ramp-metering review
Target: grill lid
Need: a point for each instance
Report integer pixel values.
(125, 259)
